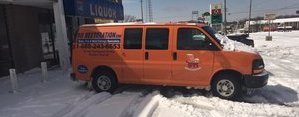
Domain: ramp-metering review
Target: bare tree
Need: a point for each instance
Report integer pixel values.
(129, 18)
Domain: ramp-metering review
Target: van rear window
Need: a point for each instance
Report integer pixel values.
(133, 38)
(157, 38)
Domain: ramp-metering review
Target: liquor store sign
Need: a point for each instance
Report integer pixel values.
(107, 9)
(216, 13)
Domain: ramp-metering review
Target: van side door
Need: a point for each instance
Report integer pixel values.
(133, 54)
(158, 58)
(192, 57)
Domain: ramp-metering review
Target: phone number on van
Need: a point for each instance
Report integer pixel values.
(99, 46)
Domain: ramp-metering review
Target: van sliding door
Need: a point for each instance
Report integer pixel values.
(133, 54)
(157, 55)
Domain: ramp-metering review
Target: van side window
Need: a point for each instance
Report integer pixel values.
(133, 38)
(191, 39)
(157, 38)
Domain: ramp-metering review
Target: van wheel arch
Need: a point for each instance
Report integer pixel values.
(226, 84)
(103, 68)
(228, 71)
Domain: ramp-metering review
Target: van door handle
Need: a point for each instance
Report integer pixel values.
(174, 56)
(146, 55)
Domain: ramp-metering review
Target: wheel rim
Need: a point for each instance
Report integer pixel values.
(104, 83)
(225, 88)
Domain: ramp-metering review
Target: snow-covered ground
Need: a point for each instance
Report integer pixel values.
(61, 97)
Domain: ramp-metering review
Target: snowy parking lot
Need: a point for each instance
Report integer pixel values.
(61, 97)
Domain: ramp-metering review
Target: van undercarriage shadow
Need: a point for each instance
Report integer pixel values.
(273, 94)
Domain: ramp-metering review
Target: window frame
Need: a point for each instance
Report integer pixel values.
(207, 38)
(141, 39)
(168, 38)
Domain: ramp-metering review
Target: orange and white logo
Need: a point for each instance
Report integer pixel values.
(192, 63)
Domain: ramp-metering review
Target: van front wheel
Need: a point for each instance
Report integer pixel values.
(104, 81)
(226, 86)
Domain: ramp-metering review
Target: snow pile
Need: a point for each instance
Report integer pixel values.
(148, 105)
(124, 104)
(230, 45)
(201, 106)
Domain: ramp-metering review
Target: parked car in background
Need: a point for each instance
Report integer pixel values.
(284, 28)
(241, 37)
(269, 28)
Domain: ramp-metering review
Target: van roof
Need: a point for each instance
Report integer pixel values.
(142, 24)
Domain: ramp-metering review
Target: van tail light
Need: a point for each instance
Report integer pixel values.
(258, 66)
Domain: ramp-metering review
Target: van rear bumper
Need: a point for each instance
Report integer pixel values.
(256, 81)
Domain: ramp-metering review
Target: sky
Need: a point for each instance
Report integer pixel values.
(181, 10)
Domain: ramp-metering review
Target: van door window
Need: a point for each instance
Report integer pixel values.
(157, 38)
(192, 39)
(133, 38)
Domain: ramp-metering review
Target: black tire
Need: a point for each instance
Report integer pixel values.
(233, 87)
(105, 77)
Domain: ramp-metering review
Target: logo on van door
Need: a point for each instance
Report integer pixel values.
(192, 63)
(82, 69)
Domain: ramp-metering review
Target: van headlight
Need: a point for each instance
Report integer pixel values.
(258, 66)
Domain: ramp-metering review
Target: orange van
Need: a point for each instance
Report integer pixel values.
(169, 54)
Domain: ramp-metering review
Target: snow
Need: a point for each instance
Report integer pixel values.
(230, 45)
(77, 109)
(61, 97)
(36, 99)
(148, 105)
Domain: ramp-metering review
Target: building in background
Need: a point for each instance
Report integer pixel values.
(32, 31)
(277, 24)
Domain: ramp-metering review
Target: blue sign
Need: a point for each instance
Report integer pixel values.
(107, 9)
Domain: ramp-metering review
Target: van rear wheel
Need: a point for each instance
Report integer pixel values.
(104, 81)
(226, 86)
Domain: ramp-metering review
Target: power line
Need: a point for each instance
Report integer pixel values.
(263, 10)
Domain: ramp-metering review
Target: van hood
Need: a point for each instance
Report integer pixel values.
(231, 45)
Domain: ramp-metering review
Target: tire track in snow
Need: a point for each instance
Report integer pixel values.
(77, 108)
(126, 102)
(229, 108)
(294, 73)
(141, 102)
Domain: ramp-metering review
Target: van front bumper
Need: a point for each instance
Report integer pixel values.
(257, 80)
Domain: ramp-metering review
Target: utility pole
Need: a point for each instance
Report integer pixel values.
(141, 6)
(249, 18)
(224, 23)
(150, 11)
